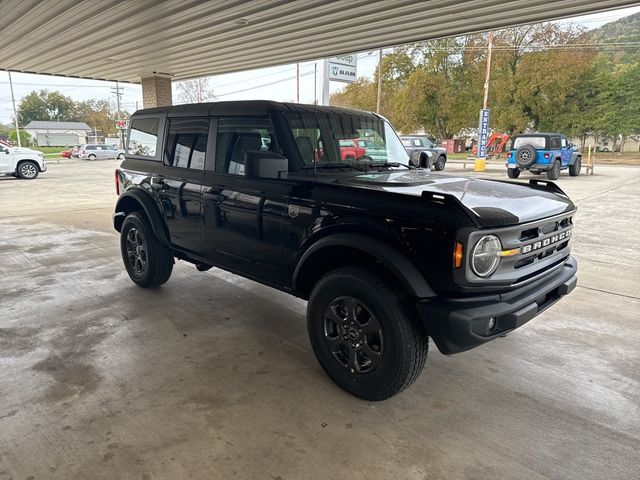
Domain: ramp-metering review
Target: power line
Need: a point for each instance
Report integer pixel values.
(264, 85)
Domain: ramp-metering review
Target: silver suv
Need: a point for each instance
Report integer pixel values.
(94, 151)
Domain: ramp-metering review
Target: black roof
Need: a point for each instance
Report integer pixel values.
(540, 134)
(247, 107)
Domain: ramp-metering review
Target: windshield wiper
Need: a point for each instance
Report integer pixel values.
(336, 165)
(391, 164)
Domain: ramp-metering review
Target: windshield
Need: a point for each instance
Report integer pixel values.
(536, 142)
(335, 139)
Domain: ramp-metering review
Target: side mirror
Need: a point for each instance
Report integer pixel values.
(4, 150)
(261, 164)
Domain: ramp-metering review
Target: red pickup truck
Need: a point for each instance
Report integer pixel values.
(350, 150)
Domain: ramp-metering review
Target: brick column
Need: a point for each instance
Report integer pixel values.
(156, 91)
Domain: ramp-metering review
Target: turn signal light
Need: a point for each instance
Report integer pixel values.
(547, 155)
(509, 253)
(457, 255)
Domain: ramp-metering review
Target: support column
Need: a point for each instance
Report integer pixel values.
(156, 91)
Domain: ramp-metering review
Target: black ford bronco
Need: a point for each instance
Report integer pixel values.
(386, 254)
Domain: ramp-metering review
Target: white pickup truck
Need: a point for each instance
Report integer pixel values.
(21, 162)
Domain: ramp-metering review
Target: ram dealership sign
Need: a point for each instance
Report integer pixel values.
(343, 68)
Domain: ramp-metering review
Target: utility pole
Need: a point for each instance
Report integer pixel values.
(117, 91)
(379, 99)
(297, 82)
(483, 123)
(488, 72)
(324, 81)
(15, 113)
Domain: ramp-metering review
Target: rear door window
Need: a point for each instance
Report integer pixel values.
(187, 142)
(143, 137)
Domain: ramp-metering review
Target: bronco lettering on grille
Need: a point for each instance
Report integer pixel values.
(532, 247)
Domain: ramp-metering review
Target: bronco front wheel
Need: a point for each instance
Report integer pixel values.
(365, 334)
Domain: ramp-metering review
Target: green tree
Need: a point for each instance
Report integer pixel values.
(4, 131)
(45, 105)
(25, 138)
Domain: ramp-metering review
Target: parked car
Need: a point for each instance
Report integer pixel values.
(350, 150)
(543, 152)
(75, 151)
(21, 162)
(386, 254)
(94, 152)
(417, 147)
(66, 153)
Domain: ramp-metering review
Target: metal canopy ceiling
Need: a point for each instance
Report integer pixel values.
(124, 40)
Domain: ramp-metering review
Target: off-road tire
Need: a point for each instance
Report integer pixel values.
(574, 170)
(27, 170)
(513, 172)
(526, 155)
(158, 263)
(554, 172)
(440, 163)
(404, 342)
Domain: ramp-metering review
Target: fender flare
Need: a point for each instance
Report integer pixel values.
(151, 210)
(418, 154)
(412, 280)
(574, 156)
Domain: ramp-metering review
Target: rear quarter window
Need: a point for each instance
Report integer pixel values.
(143, 137)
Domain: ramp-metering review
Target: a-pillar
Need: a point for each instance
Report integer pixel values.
(156, 91)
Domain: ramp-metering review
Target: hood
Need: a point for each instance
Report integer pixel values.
(491, 202)
(23, 150)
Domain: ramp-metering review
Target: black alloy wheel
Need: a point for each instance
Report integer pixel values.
(353, 335)
(136, 251)
(148, 262)
(365, 332)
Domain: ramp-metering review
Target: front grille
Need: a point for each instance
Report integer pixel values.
(543, 245)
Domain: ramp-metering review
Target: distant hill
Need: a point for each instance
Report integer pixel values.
(624, 30)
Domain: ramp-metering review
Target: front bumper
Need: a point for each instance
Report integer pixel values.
(43, 167)
(459, 324)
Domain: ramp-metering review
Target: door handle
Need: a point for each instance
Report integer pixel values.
(157, 183)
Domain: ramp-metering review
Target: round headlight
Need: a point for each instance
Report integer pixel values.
(486, 256)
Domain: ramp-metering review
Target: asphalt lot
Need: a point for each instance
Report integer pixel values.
(212, 375)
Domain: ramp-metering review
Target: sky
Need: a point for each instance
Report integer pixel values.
(274, 83)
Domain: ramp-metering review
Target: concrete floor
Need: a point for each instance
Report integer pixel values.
(212, 376)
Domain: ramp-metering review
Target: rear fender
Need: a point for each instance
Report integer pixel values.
(137, 199)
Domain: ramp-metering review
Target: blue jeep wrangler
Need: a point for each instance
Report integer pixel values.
(543, 152)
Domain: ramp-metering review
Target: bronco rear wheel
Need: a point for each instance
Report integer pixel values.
(148, 262)
(365, 333)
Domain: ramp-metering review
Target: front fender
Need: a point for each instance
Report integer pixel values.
(574, 155)
(417, 155)
(137, 199)
(412, 280)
